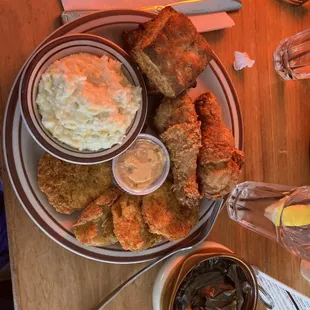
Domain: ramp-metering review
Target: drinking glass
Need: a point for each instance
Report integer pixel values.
(295, 2)
(279, 212)
(292, 57)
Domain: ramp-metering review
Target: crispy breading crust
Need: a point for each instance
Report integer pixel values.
(165, 216)
(183, 142)
(169, 51)
(130, 38)
(71, 187)
(219, 162)
(175, 111)
(95, 225)
(129, 227)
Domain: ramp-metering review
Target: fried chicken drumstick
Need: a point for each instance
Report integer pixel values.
(175, 111)
(183, 143)
(219, 161)
(176, 120)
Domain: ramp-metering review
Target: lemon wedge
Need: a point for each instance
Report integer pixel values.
(295, 215)
(273, 212)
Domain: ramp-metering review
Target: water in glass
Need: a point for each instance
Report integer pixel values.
(281, 213)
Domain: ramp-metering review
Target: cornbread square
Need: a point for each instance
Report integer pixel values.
(130, 38)
(169, 51)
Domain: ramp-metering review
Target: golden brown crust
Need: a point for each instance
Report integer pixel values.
(183, 142)
(170, 52)
(219, 160)
(130, 39)
(152, 27)
(129, 227)
(165, 216)
(95, 225)
(175, 111)
(71, 187)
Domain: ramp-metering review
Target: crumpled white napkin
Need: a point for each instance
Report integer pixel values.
(242, 60)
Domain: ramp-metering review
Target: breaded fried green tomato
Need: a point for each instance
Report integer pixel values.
(95, 225)
(166, 216)
(129, 227)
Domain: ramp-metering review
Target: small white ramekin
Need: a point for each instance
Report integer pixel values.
(156, 184)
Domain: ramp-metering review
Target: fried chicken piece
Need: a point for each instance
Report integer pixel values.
(183, 142)
(219, 162)
(165, 216)
(129, 227)
(71, 187)
(175, 111)
(176, 119)
(95, 225)
(169, 51)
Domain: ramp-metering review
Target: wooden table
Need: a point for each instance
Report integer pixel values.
(277, 127)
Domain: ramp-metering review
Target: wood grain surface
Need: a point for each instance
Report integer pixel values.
(277, 131)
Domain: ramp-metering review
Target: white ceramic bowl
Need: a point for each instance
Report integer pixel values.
(37, 65)
(164, 281)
